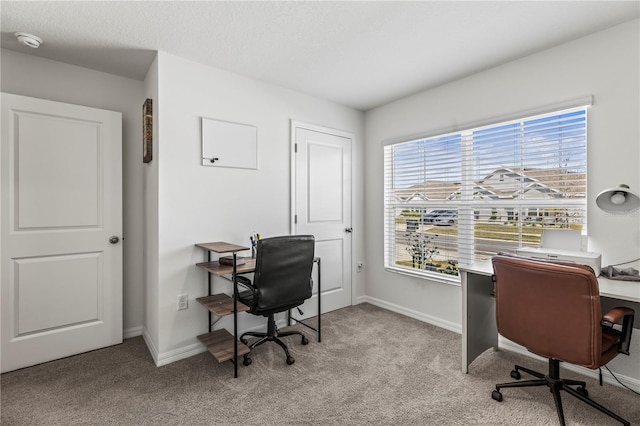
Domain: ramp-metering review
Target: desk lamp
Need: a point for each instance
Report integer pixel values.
(618, 200)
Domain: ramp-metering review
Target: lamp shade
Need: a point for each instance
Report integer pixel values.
(618, 200)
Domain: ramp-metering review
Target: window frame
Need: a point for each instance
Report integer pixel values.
(466, 206)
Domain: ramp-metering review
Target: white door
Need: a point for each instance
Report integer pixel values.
(322, 207)
(61, 169)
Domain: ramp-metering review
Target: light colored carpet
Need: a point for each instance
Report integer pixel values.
(373, 367)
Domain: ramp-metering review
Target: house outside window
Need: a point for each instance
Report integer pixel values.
(464, 196)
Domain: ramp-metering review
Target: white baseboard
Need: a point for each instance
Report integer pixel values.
(606, 376)
(438, 322)
(180, 353)
(165, 358)
(196, 348)
(152, 348)
(503, 343)
(359, 300)
(132, 332)
(187, 351)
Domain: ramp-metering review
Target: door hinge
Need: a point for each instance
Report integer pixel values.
(295, 148)
(295, 219)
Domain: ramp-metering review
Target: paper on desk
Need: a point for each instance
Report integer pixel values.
(562, 239)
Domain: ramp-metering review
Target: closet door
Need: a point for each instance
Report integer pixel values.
(61, 253)
(322, 207)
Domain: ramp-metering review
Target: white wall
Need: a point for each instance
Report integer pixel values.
(198, 204)
(185, 203)
(203, 204)
(606, 65)
(150, 214)
(42, 78)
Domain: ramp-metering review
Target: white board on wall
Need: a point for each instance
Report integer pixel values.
(227, 144)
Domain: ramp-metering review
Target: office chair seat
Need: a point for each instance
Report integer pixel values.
(554, 311)
(282, 281)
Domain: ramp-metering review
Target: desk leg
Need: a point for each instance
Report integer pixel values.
(479, 331)
(235, 316)
(319, 303)
(298, 321)
(209, 278)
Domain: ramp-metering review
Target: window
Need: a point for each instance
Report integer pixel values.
(462, 197)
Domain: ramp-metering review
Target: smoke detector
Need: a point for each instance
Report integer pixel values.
(29, 40)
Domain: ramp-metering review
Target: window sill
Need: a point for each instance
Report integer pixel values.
(439, 278)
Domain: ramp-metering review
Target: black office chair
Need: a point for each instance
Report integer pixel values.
(554, 311)
(282, 281)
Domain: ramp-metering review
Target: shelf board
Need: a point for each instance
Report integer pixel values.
(221, 304)
(217, 269)
(220, 344)
(222, 247)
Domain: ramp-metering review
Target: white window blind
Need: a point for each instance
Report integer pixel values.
(464, 196)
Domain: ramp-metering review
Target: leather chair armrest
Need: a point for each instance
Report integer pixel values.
(626, 316)
(245, 282)
(616, 314)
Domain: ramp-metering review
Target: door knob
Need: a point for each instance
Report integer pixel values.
(114, 240)
(348, 230)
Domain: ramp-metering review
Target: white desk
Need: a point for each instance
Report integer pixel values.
(479, 331)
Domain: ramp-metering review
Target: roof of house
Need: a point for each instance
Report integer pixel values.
(504, 183)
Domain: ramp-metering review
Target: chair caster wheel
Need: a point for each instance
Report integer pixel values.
(583, 391)
(290, 360)
(247, 361)
(516, 374)
(497, 395)
(305, 341)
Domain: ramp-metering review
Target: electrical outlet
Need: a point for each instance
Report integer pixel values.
(183, 301)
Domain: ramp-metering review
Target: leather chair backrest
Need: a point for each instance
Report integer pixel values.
(283, 272)
(551, 309)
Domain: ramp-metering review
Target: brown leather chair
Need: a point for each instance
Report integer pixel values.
(553, 310)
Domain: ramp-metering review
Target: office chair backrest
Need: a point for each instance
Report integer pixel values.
(551, 309)
(283, 272)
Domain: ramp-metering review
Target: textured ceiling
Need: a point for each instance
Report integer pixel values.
(360, 54)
